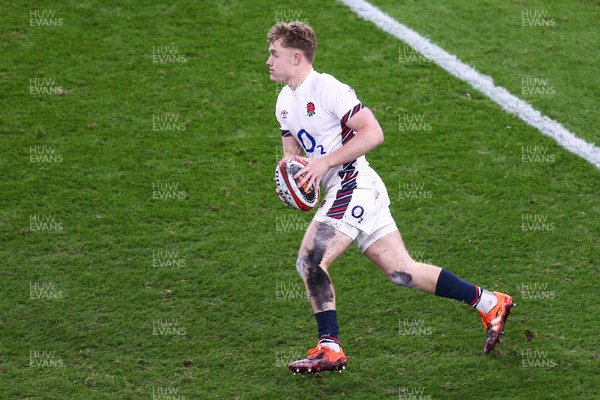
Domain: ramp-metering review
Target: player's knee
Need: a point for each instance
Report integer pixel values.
(401, 278)
(311, 260)
(301, 266)
(314, 275)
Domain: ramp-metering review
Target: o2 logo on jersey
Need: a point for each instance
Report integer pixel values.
(309, 143)
(357, 212)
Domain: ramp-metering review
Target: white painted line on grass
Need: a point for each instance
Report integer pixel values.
(483, 83)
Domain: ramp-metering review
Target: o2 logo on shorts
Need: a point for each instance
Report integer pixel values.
(357, 212)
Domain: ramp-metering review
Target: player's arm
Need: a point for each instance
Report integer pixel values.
(291, 147)
(368, 136)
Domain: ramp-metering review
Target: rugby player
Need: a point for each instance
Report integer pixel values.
(323, 121)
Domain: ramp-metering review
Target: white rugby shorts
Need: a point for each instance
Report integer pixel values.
(358, 205)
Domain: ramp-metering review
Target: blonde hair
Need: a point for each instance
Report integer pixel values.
(297, 35)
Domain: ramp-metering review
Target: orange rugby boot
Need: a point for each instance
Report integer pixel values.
(494, 321)
(320, 358)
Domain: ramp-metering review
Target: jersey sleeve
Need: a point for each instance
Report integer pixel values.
(280, 114)
(341, 100)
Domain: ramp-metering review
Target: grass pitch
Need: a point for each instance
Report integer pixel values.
(145, 254)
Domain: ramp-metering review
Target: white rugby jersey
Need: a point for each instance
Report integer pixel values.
(315, 115)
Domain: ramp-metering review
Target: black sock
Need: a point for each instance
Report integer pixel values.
(327, 323)
(452, 287)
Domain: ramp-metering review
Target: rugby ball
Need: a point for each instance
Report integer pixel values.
(301, 198)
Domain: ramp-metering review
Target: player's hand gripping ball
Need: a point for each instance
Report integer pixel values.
(301, 198)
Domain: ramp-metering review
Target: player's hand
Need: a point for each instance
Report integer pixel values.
(313, 172)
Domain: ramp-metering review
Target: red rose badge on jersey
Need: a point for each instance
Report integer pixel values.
(310, 109)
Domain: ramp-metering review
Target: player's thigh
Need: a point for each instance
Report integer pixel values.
(389, 253)
(322, 244)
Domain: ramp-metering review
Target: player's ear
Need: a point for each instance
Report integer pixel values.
(297, 57)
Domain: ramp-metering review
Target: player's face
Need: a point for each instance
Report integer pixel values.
(280, 62)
